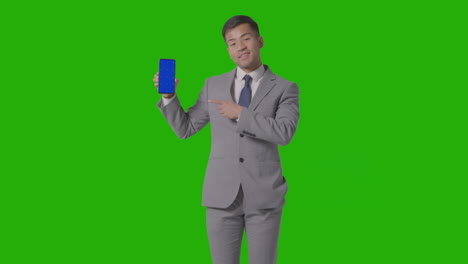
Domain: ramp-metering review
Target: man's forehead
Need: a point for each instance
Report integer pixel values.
(239, 30)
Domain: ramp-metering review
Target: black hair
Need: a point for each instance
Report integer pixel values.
(237, 20)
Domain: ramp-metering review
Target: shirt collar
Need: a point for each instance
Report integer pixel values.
(256, 74)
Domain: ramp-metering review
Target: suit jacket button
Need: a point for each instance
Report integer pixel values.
(241, 135)
(241, 160)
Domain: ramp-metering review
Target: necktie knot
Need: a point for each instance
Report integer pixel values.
(247, 78)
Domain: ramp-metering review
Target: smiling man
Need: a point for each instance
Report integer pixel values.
(251, 111)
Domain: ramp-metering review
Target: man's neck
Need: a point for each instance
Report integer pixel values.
(247, 71)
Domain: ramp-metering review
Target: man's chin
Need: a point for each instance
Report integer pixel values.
(245, 65)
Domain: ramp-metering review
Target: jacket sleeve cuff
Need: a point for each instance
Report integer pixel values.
(244, 122)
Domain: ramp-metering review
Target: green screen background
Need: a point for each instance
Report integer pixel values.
(92, 172)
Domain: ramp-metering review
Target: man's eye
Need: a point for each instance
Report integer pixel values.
(247, 38)
(232, 44)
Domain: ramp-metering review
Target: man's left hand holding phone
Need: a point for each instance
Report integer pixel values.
(165, 79)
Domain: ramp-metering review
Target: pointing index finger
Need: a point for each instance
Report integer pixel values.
(215, 101)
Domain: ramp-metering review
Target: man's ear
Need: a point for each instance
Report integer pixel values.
(260, 39)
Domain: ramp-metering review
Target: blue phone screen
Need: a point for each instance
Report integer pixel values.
(166, 76)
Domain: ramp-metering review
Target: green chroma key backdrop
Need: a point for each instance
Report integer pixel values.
(92, 172)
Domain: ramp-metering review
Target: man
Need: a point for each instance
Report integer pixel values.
(251, 111)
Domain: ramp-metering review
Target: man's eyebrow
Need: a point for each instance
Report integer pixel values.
(247, 33)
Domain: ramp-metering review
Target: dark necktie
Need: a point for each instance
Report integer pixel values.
(246, 93)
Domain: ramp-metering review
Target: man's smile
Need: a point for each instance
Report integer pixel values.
(244, 55)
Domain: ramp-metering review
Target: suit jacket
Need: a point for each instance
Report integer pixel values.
(244, 151)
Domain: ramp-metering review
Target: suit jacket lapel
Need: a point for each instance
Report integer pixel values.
(267, 83)
(229, 84)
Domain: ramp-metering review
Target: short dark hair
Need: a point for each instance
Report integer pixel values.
(237, 20)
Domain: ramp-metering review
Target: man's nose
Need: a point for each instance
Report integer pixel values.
(241, 46)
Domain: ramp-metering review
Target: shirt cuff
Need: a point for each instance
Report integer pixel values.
(237, 120)
(166, 101)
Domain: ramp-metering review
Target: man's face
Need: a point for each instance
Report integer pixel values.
(244, 47)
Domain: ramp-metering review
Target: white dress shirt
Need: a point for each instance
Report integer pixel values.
(239, 83)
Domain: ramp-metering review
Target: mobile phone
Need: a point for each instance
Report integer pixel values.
(166, 76)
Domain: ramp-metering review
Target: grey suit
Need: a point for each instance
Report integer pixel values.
(244, 164)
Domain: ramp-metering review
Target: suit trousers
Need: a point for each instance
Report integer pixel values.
(226, 226)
